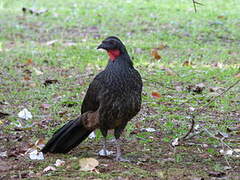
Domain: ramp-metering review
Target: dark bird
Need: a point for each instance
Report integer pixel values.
(112, 99)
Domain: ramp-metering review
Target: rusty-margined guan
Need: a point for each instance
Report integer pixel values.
(112, 99)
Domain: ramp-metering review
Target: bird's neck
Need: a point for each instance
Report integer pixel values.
(113, 54)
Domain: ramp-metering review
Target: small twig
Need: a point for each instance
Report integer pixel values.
(194, 5)
(191, 129)
(204, 108)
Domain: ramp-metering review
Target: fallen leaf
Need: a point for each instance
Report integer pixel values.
(191, 108)
(35, 155)
(221, 17)
(34, 11)
(3, 115)
(59, 162)
(88, 164)
(156, 95)
(175, 142)
(29, 62)
(3, 154)
(50, 81)
(62, 113)
(138, 125)
(215, 89)
(218, 65)
(40, 143)
(108, 153)
(26, 77)
(38, 72)
(148, 129)
(216, 174)
(237, 75)
(49, 43)
(45, 106)
(49, 168)
(92, 135)
(155, 54)
(187, 63)
(198, 88)
(162, 46)
(25, 114)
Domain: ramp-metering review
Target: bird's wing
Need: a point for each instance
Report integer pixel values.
(91, 100)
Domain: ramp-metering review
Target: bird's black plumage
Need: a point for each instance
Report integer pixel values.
(112, 99)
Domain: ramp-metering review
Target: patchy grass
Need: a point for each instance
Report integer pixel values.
(61, 45)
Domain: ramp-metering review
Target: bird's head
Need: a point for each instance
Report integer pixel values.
(114, 47)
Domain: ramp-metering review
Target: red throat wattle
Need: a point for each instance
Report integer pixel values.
(113, 54)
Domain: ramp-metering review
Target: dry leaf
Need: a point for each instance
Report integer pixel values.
(35, 155)
(198, 88)
(92, 135)
(108, 153)
(50, 81)
(49, 168)
(221, 17)
(218, 65)
(215, 89)
(49, 43)
(156, 95)
(138, 125)
(59, 162)
(38, 72)
(162, 46)
(34, 11)
(3, 154)
(45, 106)
(187, 63)
(3, 115)
(237, 75)
(175, 142)
(40, 143)
(155, 54)
(88, 164)
(29, 62)
(148, 129)
(26, 78)
(25, 114)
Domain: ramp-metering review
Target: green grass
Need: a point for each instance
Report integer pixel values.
(209, 39)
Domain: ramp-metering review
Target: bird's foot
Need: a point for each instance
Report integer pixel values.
(121, 159)
(105, 152)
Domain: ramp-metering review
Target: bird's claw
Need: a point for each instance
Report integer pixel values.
(121, 159)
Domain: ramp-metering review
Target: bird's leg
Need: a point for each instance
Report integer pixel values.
(104, 146)
(104, 149)
(119, 154)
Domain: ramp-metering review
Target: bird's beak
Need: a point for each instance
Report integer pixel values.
(101, 46)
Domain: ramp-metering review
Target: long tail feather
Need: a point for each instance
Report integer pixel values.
(68, 136)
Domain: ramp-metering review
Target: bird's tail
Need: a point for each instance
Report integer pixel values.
(72, 133)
